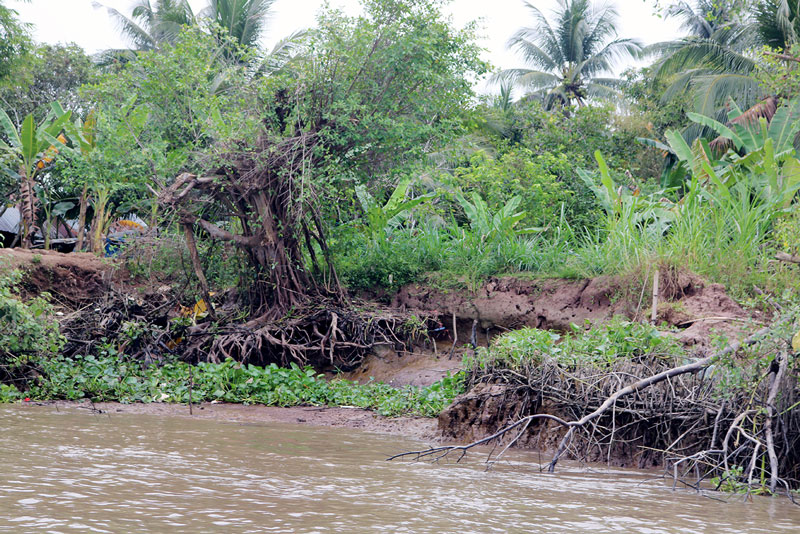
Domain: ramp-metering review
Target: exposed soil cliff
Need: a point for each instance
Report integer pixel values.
(687, 303)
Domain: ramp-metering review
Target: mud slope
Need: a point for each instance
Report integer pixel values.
(687, 302)
(73, 280)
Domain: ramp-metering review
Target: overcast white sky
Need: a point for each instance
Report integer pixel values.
(61, 21)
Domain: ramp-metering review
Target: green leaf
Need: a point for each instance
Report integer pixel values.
(784, 125)
(679, 146)
(28, 141)
(57, 109)
(605, 177)
(655, 144)
(53, 128)
(9, 130)
(397, 197)
(770, 166)
(717, 126)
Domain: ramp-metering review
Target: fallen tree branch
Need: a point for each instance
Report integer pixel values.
(789, 258)
(437, 453)
(776, 376)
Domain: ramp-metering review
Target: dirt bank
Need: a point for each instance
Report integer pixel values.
(415, 427)
(420, 368)
(694, 307)
(72, 280)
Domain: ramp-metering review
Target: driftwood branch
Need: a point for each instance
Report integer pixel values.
(783, 57)
(776, 375)
(788, 258)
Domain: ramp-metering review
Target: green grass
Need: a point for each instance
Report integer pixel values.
(726, 238)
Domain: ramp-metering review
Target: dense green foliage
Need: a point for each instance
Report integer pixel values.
(599, 346)
(110, 378)
(27, 330)
(15, 40)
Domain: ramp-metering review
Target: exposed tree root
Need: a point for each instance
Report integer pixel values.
(322, 334)
(757, 428)
(325, 334)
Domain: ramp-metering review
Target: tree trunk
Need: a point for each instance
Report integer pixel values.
(27, 210)
(82, 218)
(97, 227)
(198, 268)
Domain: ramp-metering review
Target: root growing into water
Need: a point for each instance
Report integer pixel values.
(753, 435)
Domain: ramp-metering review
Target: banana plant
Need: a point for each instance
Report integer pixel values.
(86, 134)
(28, 147)
(630, 208)
(390, 215)
(488, 225)
(755, 147)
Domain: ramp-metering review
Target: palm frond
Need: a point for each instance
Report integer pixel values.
(695, 22)
(703, 53)
(530, 52)
(544, 34)
(610, 55)
(245, 20)
(614, 83)
(712, 91)
(139, 37)
(284, 52)
(526, 79)
(601, 90)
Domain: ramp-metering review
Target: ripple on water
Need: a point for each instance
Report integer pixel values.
(128, 473)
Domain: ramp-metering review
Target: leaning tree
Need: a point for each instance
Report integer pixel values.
(373, 93)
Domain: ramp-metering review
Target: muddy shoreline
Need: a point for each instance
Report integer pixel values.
(421, 428)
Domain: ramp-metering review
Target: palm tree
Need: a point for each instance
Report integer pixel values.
(153, 24)
(245, 20)
(713, 61)
(573, 59)
(778, 22)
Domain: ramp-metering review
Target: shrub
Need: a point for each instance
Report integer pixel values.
(600, 345)
(26, 327)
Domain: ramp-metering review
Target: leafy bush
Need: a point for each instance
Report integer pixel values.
(516, 174)
(600, 345)
(26, 328)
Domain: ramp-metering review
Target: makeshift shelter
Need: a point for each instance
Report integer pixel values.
(62, 233)
(9, 225)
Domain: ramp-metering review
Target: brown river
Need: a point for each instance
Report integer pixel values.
(68, 470)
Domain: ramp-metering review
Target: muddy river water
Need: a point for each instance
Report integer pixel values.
(69, 470)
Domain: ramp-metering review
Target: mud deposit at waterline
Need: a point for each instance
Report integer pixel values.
(73, 471)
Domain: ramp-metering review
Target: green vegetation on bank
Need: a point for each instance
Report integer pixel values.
(599, 346)
(29, 356)
(111, 378)
(358, 156)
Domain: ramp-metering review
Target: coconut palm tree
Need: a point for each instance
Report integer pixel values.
(153, 23)
(245, 20)
(778, 22)
(713, 61)
(572, 59)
